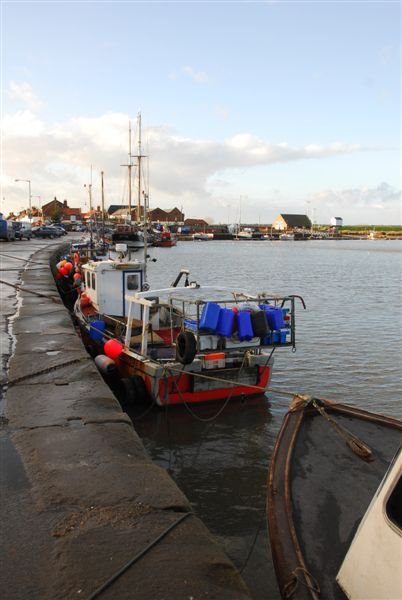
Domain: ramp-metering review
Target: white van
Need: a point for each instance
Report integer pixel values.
(24, 231)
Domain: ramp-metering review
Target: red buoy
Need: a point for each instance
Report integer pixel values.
(113, 348)
(85, 300)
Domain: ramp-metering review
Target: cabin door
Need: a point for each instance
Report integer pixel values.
(132, 284)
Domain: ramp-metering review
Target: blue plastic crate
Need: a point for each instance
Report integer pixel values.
(274, 316)
(278, 336)
(225, 322)
(190, 324)
(210, 316)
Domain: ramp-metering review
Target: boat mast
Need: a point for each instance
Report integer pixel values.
(89, 186)
(103, 210)
(129, 165)
(139, 170)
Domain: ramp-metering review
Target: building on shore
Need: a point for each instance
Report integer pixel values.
(287, 222)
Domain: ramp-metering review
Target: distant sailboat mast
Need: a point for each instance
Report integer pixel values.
(139, 158)
(129, 166)
(139, 169)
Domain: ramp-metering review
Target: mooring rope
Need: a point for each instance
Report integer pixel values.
(27, 260)
(358, 447)
(290, 588)
(66, 363)
(236, 383)
(192, 413)
(55, 299)
(139, 555)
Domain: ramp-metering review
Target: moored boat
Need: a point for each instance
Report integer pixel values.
(377, 543)
(328, 462)
(164, 239)
(202, 237)
(176, 345)
(133, 235)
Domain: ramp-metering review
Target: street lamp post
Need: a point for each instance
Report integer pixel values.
(28, 181)
(89, 186)
(40, 207)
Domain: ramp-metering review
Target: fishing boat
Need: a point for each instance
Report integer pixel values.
(378, 541)
(179, 345)
(164, 239)
(202, 237)
(287, 237)
(133, 235)
(334, 503)
(249, 234)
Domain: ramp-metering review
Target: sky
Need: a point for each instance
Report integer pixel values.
(248, 109)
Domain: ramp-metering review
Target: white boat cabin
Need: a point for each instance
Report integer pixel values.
(371, 569)
(107, 283)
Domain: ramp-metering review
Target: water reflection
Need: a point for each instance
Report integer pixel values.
(220, 461)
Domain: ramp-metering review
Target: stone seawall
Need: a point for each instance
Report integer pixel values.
(81, 499)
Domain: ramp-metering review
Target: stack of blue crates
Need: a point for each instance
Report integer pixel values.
(279, 331)
(221, 321)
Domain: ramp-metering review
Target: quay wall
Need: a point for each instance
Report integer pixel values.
(83, 498)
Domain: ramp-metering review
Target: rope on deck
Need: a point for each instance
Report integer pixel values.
(358, 447)
(290, 588)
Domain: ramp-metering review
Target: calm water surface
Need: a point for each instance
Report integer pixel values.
(349, 348)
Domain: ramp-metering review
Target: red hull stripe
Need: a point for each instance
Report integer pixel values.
(179, 397)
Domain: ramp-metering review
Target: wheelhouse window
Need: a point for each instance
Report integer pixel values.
(88, 279)
(93, 281)
(133, 282)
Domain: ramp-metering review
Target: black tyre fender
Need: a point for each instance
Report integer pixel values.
(127, 390)
(186, 347)
(140, 388)
(133, 389)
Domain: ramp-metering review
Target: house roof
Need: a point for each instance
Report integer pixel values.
(195, 222)
(54, 201)
(114, 207)
(121, 212)
(70, 211)
(296, 220)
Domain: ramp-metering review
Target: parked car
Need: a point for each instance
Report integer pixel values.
(45, 231)
(22, 230)
(60, 227)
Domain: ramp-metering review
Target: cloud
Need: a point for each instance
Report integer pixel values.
(200, 175)
(23, 93)
(198, 76)
(381, 197)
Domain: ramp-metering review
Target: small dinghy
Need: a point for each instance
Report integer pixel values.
(334, 503)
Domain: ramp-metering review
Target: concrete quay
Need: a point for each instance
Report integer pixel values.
(84, 512)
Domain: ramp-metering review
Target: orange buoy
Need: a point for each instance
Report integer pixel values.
(85, 300)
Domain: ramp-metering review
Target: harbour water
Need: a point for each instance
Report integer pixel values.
(349, 349)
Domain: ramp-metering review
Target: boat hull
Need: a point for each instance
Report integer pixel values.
(174, 383)
(319, 490)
